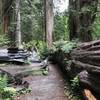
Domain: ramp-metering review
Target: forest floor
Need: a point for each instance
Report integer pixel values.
(48, 87)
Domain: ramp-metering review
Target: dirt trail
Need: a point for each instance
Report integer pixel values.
(50, 87)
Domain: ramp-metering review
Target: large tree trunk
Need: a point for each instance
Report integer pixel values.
(72, 22)
(49, 21)
(18, 27)
(81, 17)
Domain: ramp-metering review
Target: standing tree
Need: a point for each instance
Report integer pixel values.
(7, 19)
(49, 22)
(17, 19)
(81, 17)
(0, 16)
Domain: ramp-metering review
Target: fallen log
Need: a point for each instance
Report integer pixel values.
(88, 44)
(89, 60)
(85, 53)
(87, 57)
(84, 66)
(93, 48)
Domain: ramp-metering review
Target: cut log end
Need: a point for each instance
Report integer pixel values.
(88, 95)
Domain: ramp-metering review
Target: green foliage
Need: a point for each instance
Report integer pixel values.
(75, 82)
(60, 27)
(60, 47)
(65, 46)
(24, 91)
(39, 46)
(96, 28)
(4, 41)
(72, 94)
(45, 52)
(58, 50)
(3, 83)
(9, 92)
(45, 71)
(32, 20)
(5, 91)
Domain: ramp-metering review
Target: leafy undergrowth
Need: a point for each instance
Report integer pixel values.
(72, 94)
(7, 92)
(73, 90)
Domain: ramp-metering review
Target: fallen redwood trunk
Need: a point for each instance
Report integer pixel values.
(85, 66)
(87, 57)
(88, 44)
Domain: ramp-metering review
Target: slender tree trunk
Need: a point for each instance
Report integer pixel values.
(0, 16)
(49, 21)
(18, 27)
(4, 18)
(44, 37)
(6, 14)
(0, 9)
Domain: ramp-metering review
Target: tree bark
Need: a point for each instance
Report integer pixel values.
(0, 16)
(18, 27)
(4, 17)
(86, 61)
(49, 21)
(81, 17)
(6, 14)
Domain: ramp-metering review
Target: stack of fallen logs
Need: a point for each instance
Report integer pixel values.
(86, 58)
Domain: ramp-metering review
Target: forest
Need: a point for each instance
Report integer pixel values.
(45, 41)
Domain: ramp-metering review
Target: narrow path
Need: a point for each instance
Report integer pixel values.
(50, 87)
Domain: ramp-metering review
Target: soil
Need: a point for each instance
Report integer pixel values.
(49, 87)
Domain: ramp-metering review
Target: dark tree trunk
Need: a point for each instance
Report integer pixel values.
(6, 19)
(81, 17)
(6, 14)
(72, 22)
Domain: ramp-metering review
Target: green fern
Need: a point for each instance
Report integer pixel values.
(3, 83)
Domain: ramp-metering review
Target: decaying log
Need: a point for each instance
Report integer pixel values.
(87, 57)
(85, 53)
(88, 44)
(88, 67)
(93, 48)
